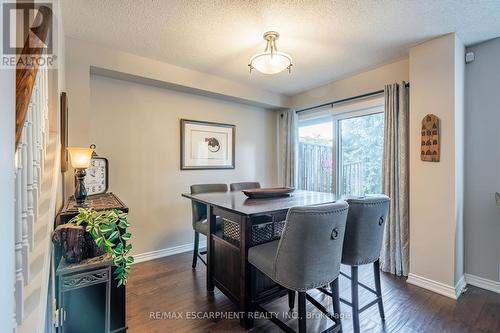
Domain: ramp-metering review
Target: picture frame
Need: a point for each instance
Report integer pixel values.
(63, 104)
(207, 145)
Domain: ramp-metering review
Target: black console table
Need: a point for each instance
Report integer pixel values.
(88, 290)
(84, 295)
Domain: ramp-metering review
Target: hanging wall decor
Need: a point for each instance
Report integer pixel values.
(430, 139)
(206, 145)
(64, 131)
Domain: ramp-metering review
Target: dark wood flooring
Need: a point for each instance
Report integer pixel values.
(168, 287)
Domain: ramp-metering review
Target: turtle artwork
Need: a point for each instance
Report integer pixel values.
(213, 144)
(430, 139)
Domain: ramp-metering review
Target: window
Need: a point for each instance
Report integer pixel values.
(340, 150)
(315, 155)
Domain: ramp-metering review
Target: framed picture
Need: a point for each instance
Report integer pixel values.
(64, 130)
(206, 145)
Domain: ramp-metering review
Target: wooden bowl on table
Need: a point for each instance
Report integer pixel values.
(272, 192)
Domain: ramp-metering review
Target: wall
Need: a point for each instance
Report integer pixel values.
(82, 58)
(368, 81)
(58, 85)
(137, 128)
(7, 143)
(436, 188)
(175, 92)
(482, 162)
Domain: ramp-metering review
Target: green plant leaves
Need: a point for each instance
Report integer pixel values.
(114, 235)
(99, 241)
(108, 228)
(103, 228)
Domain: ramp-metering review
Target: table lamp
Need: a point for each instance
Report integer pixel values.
(80, 160)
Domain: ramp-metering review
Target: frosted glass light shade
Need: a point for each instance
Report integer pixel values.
(271, 63)
(80, 157)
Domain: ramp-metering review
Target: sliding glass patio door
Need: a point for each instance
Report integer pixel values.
(340, 150)
(361, 145)
(315, 155)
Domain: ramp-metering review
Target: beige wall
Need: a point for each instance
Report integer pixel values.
(482, 163)
(362, 83)
(7, 143)
(175, 92)
(436, 189)
(137, 128)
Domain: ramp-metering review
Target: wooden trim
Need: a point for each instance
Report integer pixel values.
(483, 283)
(169, 251)
(25, 77)
(435, 286)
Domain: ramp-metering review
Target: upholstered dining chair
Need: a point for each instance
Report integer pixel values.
(199, 210)
(362, 244)
(306, 257)
(244, 186)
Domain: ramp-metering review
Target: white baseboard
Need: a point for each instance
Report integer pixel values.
(482, 283)
(437, 287)
(141, 257)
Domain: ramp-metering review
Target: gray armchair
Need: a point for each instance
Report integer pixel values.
(199, 212)
(307, 256)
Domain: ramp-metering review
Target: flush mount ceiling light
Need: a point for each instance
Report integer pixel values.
(271, 61)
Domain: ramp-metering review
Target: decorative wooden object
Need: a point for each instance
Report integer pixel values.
(76, 244)
(275, 192)
(430, 151)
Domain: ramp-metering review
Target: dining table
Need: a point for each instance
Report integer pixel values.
(243, 219)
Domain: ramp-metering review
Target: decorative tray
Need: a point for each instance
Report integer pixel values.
(272, 192)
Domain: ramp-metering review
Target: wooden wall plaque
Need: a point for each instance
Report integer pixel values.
(430, 139)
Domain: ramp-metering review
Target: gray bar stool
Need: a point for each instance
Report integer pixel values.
(200, 224)
(362, 244)
(244, 186)
(307, 257)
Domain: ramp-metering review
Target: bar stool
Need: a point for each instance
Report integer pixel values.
(362, 244)
(307, 257)
(199, 210)
(243, 186)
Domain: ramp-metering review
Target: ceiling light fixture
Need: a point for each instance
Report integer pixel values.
(271, 61)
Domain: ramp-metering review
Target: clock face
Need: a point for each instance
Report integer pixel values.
(96, 180)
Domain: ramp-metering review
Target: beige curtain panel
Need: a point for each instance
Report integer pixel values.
(394, 257)
(288, 140)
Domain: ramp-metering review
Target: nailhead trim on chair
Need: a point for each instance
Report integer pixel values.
(321, 284)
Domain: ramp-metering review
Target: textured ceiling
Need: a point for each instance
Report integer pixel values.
(327, 39)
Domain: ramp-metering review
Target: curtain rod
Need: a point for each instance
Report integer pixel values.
(345, 100)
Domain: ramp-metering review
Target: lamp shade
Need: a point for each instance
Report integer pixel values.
(80, 157)
(271, 62)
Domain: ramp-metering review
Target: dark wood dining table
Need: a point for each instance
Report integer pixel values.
(227, 265)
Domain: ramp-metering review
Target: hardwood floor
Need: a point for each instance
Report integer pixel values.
(163, 293)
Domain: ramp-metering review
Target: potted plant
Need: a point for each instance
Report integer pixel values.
(108, 229)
